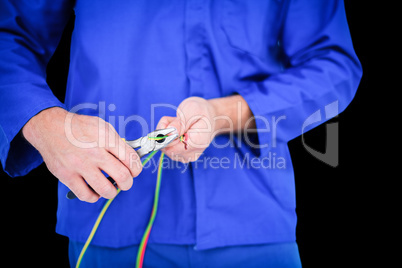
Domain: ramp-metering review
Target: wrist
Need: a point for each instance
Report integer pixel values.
(41, 123)
(219, 113)
(232, 114)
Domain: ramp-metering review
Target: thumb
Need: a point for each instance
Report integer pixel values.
(169, 121)
(164, 122)
(178, 125)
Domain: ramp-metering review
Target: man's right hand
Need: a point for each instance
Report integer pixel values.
(76, 148)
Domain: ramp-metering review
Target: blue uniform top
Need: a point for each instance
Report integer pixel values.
(133, 62)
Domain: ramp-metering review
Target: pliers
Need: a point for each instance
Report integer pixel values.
(154, 141)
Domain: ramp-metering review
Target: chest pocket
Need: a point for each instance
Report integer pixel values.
(253, 26)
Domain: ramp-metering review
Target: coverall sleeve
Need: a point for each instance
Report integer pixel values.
(321, 73)
(30, 31)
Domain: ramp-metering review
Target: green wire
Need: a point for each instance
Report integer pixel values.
(100, 217)
(157, 138)
(144, 240)
(148, 157)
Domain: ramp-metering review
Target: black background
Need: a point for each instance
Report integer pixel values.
(335, 206)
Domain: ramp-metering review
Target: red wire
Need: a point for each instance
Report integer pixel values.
(145, 243)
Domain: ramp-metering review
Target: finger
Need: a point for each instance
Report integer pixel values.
(81, 190)
(169, 121)
(192, 150)
(198, 137)
(132, 161)
(131, 158)
(101, 185)
(118, 171)
(165, 121)
(174, 151)
(127, 155)
(178, 124)
(181, 147)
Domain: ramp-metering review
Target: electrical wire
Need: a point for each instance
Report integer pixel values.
(144, 240)
(157, 138)
(100, 217)
(183, 138)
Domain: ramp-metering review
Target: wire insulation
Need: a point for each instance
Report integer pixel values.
(144, 240)
(100, 217)
(157, 138)
(183, 138)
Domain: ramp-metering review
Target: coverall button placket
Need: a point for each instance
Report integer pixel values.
(195, 35)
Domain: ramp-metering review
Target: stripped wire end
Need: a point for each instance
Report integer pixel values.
(183, 139)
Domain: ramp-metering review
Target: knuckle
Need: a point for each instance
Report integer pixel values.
(91, 199)
(106, 190)
(87, 197)
(82, 197)
(163, 122)
(135, 164)
(127, 185)
(133, 155)
(137, 169)
(123, 174)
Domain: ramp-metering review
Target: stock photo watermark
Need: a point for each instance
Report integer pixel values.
(331, 154)
(247, 161)
(235, 138)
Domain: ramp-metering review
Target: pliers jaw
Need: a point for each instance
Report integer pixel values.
(162, 143)
(150, 143)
